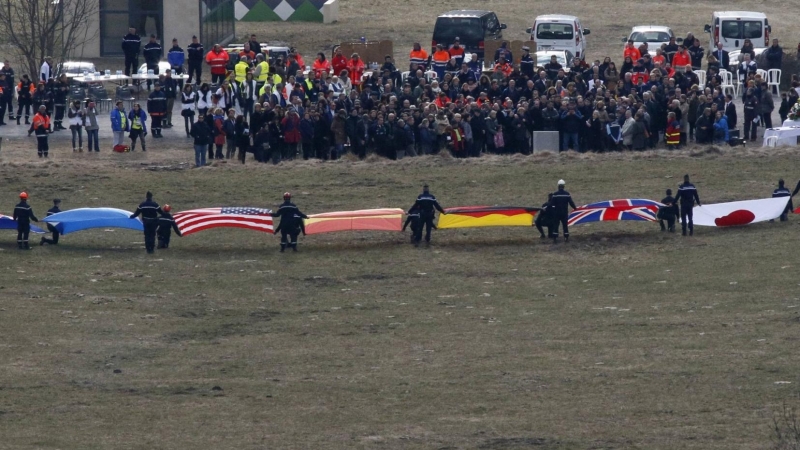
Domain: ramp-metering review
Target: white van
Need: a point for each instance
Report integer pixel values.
(558, 32)
(733, 27)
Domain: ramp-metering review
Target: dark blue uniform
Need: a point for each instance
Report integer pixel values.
(54, 241)
(545, 218)
(149, 211)
(783, 192)
(561, 203)
(166, 223)
(668, 212)
(415, 219)
(291, 224)
(687, 196)
(23, 214)
(427, 206)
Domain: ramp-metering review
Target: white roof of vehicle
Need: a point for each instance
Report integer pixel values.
(651, 28)
(750, 14)
(556, 18)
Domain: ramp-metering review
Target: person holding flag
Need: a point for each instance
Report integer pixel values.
(687, 196)
(413, 218)
(54, 210)
(427, 206)
(562, 200)
(150, 211)
(545, 218)
(782, 191)
(166, 223)
(668, 212)
(291, 222)
(23, 214)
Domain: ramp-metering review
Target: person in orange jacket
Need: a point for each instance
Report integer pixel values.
(457, 51)
(356, 69)
(440, 59)
(41, 126)
(418, 56)
(659, 58)
(631, 50)
(25, 90)
(321, 65)
(504, 67)
(682, 58)
(339, 62)
(217, 58)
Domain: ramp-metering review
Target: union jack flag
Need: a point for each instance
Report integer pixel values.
(622, 209)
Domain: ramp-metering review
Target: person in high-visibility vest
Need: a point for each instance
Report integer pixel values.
(673, 133)
(241, 68)
(261, 71)
(418, 56)
(440, 59)
(41, 126)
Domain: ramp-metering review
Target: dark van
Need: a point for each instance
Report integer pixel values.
(473, 28)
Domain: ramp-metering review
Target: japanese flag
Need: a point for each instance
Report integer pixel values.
(739, 213)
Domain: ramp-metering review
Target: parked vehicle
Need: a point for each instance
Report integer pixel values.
(473, 28)
(733, 27)
(564, 57)
(559, 32)
(654, 35)
(74, 68)
(163, 67)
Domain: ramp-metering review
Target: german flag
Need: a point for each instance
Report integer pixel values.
(487, 216)
(384, 219)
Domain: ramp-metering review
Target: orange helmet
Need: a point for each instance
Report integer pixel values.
(167, 208)
(23, 195)
(287, 195)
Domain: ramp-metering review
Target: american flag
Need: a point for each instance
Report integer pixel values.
(195, 220)
(622, 209)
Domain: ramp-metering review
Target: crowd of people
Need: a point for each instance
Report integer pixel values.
(281, 108)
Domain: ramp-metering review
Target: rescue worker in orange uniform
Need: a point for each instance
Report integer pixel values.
(440, 59)
(418, 56)
(41, 126)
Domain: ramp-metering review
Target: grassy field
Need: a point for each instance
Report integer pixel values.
(624, 338)
(609, 21)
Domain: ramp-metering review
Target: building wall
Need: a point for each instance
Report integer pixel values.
(91, 48)
(181, 21)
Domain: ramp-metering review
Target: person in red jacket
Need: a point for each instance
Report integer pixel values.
(291, 133)
(356, 69)
(321, 66)
(217, 58)
(457, 138)
(681, 59)
(632, 51)
(442, 100)
(339, 62)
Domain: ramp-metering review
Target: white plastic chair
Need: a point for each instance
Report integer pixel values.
(365, 76)
(771, 141)
(762, 72)
(405, 75)
(430, 75)
(701, 77)
(774, 79)
(727, 82)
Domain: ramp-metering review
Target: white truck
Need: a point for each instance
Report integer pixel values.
(733, 27)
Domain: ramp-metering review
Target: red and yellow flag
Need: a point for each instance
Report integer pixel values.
(487, 216)
(385, 219)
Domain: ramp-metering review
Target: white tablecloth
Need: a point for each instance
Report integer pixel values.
(786, 135)
(101, 78)
(139, 76)
(791, 123)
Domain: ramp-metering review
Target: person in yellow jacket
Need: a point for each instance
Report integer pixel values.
(261, 71)
(241, 68)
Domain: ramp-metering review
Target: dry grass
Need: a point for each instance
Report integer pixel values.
(609, 21)
(626, 338)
